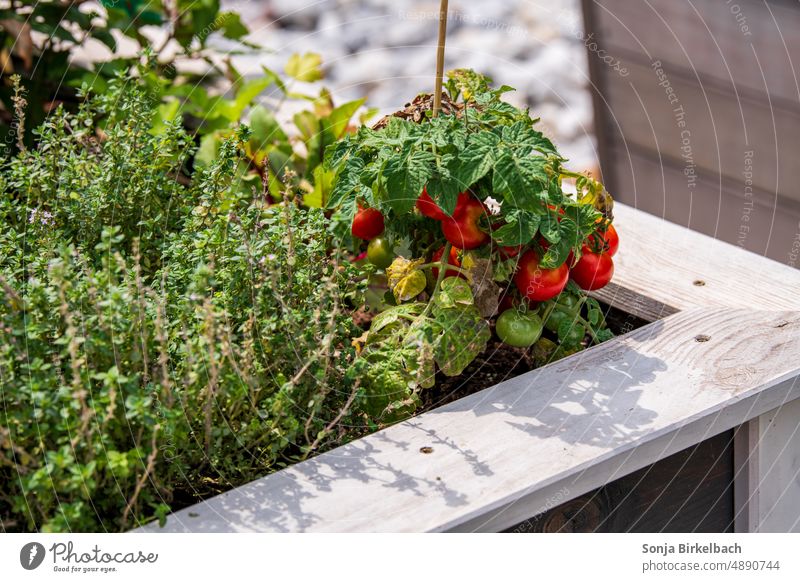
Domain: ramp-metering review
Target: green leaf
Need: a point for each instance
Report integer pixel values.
(305, 67)
(549, 227)
(340, 117)
(308, 124)
(231, 25)
(266, 129)
(520, 228)
(348, 180)
(406, 174)
(559, 250)
(323, 185)
(476, 160)
(394, 314)
(441, 186)
(232, 110)
(521, 180)
(454, 291)
(464, 335)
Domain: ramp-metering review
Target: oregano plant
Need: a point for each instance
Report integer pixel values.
(466, 216)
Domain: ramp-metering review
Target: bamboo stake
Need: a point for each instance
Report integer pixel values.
(437, 93)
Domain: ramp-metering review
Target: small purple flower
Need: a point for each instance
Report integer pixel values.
(41, 216)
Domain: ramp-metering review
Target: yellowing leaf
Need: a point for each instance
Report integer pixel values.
(305, 67)
(405, 279)
(410, 286)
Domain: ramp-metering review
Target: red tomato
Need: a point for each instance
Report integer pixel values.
(452, 260)
(429, 208)
(537, 283)
(462, 229)
(609, 241)
(510, 252)
(593, 271)
(367, 223)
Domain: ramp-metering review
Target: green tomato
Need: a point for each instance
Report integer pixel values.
(568, 301)
(518, 329)
(380, 252)
(553, 321)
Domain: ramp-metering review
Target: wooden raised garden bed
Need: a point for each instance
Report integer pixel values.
(688, 423)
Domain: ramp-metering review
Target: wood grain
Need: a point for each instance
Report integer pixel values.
(504, 454)
(667, 264)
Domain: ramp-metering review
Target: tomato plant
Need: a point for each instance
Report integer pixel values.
(452, 260)
(473, 199)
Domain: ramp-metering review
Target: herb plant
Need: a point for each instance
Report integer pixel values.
(160, 340)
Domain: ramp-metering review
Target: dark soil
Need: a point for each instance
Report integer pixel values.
(500, 362)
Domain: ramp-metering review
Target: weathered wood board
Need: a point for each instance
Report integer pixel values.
(681, 269)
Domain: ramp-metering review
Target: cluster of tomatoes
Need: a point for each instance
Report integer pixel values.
(592, 270)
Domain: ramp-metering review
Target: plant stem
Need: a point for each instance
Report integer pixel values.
(437, 94)
(442, 270)
(439, 265)
(577, 318)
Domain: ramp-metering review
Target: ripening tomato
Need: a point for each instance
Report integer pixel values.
(462, 230)
(537, 283)
(610, 240)
(367, 223)
(593, 271)
(380, 252)
(428, 207)
(451, 260)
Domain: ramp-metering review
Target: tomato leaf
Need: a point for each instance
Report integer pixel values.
(476, 160)
(406, 175)
(464, 335)
(520, 228)
(454, 291)
(347, 182)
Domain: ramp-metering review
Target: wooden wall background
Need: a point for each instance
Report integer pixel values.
(720, 152)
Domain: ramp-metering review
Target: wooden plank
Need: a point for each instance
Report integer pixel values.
(717, 131)
(704, 38)
(745, 477)
(667, 263)
(690, 491)
(495, 458)
(774, 468)
(633, 303)
(764, 223)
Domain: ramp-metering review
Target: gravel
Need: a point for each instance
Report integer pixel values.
(384, 50)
